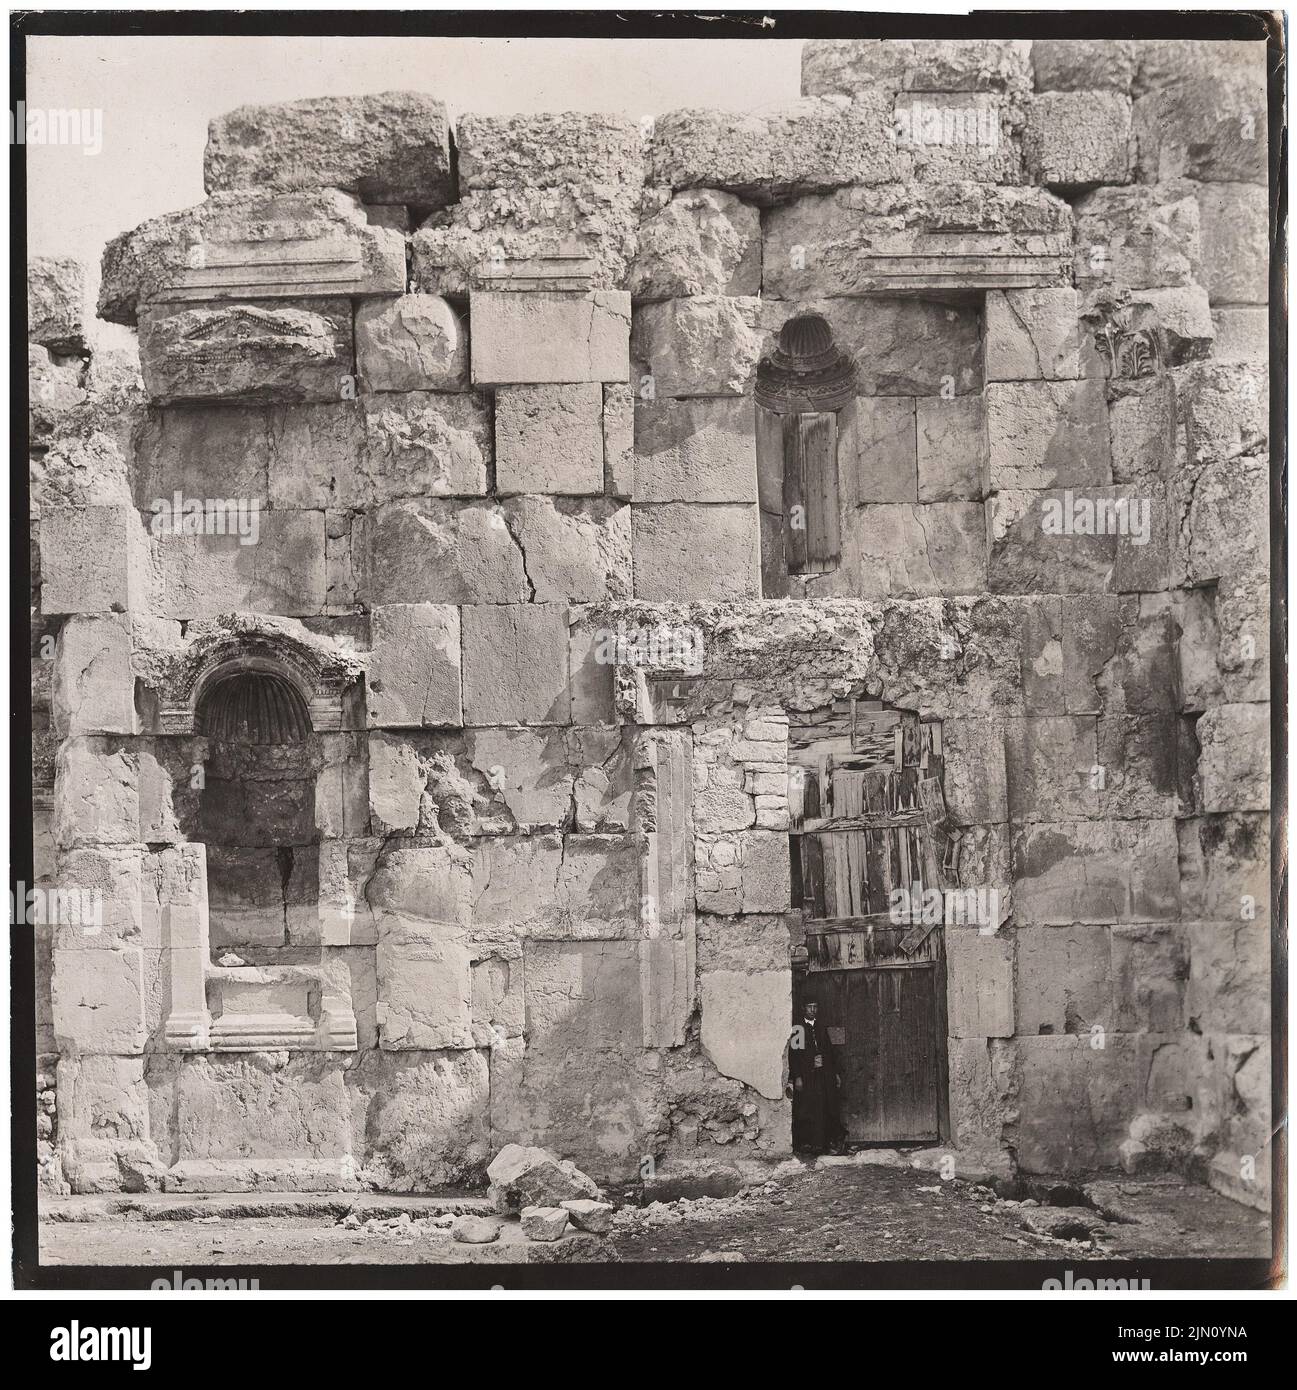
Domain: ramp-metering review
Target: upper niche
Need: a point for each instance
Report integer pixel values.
(257, 707)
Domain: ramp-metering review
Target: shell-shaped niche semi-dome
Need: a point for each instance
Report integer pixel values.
(254, 706)
(806, 371)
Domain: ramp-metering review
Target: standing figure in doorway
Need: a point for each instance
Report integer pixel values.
(813, 1071)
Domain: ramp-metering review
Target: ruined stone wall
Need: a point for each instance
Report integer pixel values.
(491, 393)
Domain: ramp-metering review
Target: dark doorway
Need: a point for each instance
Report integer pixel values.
(867, 817)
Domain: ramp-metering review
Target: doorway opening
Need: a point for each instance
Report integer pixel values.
(867, 841)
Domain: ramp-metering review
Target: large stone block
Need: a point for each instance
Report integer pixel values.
(251, 245)
(707, 345)
(903, 238)
(582, 996)
(96, 794)
(1234, 758)
(619, 440)
(1033, 334)
(515, 664)
(813, 144)
(424, 993)
(537, 338)
(176, 449)
(1077, 138)
(1235, 229)
(1224, 411)
(1076, 1102)
(1043, 434)
(851, 67)
(979, 984)
(1168, 62)
(421, 444)
(745, 1025)
(529, 771)
(1096, 871)
(576, 550)
(1150, 966)
(1052, 768)
(1224, 865)
(202, 576)
(414, 343)
(420, 1120)
(1209, 128)
(670, 539)
(441, 552)
(974, 778)
(545, 148)
(56, 291)
(388, 147)
(94, 686)
(488, 227)
(1064, 980)
(1084, 65)
(414, 666)
(550, 439)
(877, 461)
(55, 388)
(951, 440)
(695, 451)
(248, 351)
(93, 560)
(1138, 238)
(906, 551)
(701, 242)
(1228, 976)
(1242, 334)
(99, 1001)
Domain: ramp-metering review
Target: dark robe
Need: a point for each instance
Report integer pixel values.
(816, 1125)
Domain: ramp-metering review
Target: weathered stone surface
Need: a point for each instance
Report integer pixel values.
(529, 1176)
(490, 226)
(420, 444)
(851, 67)
(389, 147)
(1234, 758)
(906, 551)
(1096, 871)
(414, 670)
(952, 451)
(303, 352)
(877, 460)
(227, 247)
(707, 345)
(441, 552)
(1210, 128)
(702, 242)
(1046, 434)
(816, 143)
(543, 1223)
(94, 687)
(745, 1025)
(1079, 137)
(424, 991)
(974, 782)
(1168, 62)
(980, 984)
(283, 573)
(545, 149)
(1235, 228)
(1149, 969)
(671, 539)
(1064, 980)
(903, 237)
(1075, 1101)
(1223, 411)
(1050, 766)
(55, 386)
(1084, 65)
(550, 439)
(1138, 238)
(93, 560)
(619, 440)
(475, 1230)
(99, 1000)
(695, 451)
(529, 772)
(576, 550)
(1229, 976)
(56, 304)
(414, 343)
(515, 664)
(588, 1215)
(1032, 334)
(520, 339)
(1242, 334)
(960, 135)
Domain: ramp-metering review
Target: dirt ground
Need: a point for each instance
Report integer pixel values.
(860, 1212)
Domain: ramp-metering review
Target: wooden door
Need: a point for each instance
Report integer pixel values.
(867, 818)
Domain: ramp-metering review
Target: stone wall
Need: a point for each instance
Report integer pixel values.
(488, 402)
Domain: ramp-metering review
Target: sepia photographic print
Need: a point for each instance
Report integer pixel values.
(652, 641)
